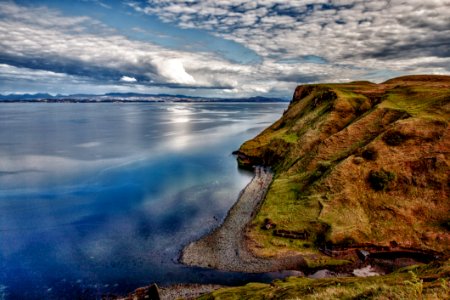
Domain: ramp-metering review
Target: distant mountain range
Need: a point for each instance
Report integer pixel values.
(127, 97)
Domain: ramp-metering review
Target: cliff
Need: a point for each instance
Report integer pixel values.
(356, 165)
(361, 180)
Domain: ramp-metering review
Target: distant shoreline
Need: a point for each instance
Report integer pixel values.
(140, 101)
(107, 98)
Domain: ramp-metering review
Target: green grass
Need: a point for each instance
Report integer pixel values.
(290, 210)
(418, 101)
(321, 189)
(418, 282)
(311, 191)
(286, 204)
(290, 137)
(315, 262)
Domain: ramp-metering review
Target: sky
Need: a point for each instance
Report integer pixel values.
(216, 48)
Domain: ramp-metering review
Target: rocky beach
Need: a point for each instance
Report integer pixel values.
(343, 155)
(225, 247)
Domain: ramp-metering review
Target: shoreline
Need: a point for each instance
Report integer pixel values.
(225, 247)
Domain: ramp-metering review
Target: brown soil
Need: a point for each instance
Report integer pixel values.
(358, 163)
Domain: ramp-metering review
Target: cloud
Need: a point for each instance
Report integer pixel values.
(173, 70)
(69, 46)
(387, 34)
(128, 79)
(98, 2)
(102, 56)
(297, 42)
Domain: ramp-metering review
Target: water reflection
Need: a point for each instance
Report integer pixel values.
(100, 198)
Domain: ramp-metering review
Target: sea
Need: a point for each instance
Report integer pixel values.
(99, 198)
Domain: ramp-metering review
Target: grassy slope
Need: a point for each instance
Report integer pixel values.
(325, 149)
(424, 282)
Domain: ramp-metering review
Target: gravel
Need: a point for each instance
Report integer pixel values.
(225, 247)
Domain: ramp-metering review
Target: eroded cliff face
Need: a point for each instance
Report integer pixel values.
(357, 163)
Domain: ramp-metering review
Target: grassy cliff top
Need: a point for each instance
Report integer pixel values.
(356, 164)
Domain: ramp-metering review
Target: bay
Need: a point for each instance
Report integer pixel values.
(100, 198)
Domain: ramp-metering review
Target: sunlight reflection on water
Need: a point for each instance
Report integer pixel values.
(100, 198)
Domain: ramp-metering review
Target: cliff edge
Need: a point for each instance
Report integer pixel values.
(357, 165)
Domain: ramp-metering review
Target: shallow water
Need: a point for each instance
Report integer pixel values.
(100, 198)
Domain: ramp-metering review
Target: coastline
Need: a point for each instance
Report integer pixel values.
(225, 247)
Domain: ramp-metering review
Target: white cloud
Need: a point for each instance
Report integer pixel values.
(128, 79)
(353, 40)
(384, 35)
(173, 71)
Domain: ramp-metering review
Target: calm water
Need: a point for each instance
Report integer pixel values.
(100, 198)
